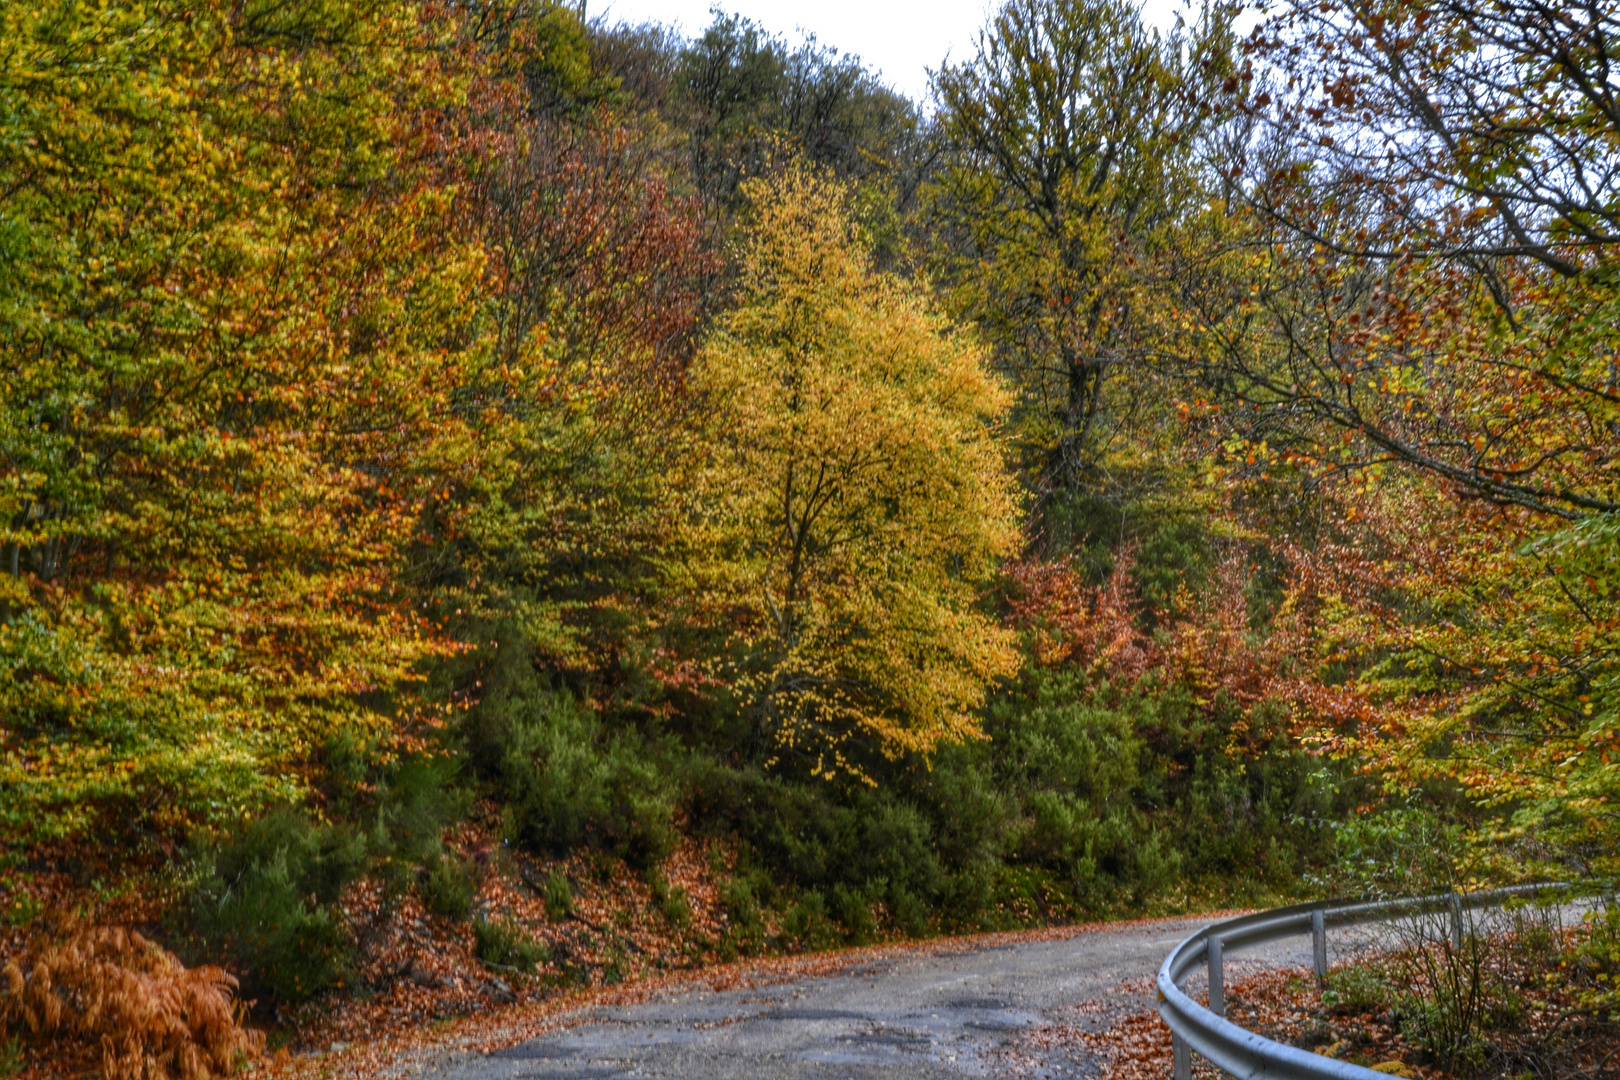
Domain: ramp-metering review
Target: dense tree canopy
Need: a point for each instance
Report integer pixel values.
(1071, 139)
(232, 315)
(434, 436)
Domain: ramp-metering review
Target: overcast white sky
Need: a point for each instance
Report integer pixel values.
(900, 38)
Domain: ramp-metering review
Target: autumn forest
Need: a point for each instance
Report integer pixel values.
(630, 501)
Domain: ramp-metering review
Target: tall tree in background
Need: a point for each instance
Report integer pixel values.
(1070, 139)
(744, 90)
(593, 288)
(855, 504)
(742, 101)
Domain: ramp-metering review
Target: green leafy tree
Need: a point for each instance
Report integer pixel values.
(741, 92)
(1070, 142)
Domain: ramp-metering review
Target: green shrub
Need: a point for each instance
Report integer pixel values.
(559, 896)
(415, 803)
(1026, 894)
(909, 914)
(854, 913)
(504, 943)
(746, 933)
(267, 904)
(615, 966)
(1399, 851)
(738, 899)
(1357, 988)
(448, 886)
(806, 925)
(1126, 791)
(672, 903)
(815, 837)
(566, 781)
(23, 909)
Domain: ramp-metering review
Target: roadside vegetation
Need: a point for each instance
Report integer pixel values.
(493, 502)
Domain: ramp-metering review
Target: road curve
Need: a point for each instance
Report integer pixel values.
(966, 1009)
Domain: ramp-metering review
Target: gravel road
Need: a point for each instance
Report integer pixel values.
(966, 1010)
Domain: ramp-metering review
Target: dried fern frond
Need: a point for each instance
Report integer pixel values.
(151, 1016)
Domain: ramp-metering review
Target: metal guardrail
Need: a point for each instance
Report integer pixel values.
(1240, 1052)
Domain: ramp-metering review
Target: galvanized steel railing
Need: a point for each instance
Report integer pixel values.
(1248, 1056)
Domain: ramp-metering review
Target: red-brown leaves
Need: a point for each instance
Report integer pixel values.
(1205, 643)
(1068, 621)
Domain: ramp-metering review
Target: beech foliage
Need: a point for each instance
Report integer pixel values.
(231, 311)
(1428, 333)
(854, 493)
(1081, 497)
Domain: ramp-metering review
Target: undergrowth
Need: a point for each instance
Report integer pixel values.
(1518, 993)
(504, 944)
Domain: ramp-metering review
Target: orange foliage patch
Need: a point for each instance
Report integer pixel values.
(149, 1016)
(1203, 642)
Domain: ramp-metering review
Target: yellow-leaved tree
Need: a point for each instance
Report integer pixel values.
(853, 503)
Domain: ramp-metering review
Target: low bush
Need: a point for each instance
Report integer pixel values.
(1107, 797)
(1452, 996)
(267, 904)
(448, 885)
(910, 914)
(745, 934)
(854, 913)
(1358, 988)
(415, 802)
(671, 901)
(1515, 995)
(265, 896)
(806, 925)
(145, 1014)
(504, 944)
(558, 896)
(567, 781)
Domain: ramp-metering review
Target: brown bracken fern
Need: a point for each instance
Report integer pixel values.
(151, 1016)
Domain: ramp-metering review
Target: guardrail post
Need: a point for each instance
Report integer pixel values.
(1217, 991)
(1456, 921)
(1319, 944)
(1181, 1055)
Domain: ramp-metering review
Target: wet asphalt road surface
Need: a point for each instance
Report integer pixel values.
(945, 1013)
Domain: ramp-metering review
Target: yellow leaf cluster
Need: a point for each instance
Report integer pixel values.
(854, 502)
